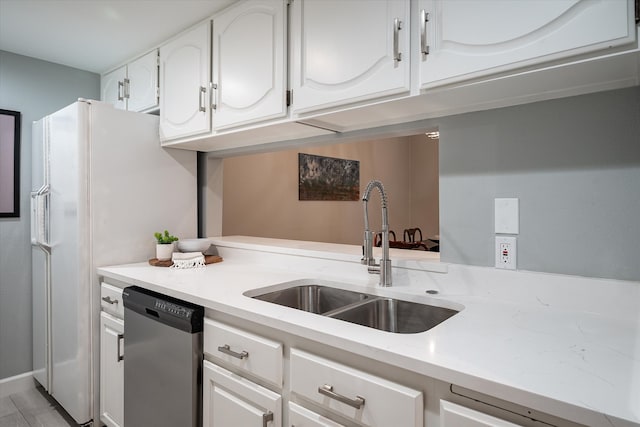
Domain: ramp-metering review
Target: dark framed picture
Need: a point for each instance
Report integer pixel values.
(9, 164)
(327, 178)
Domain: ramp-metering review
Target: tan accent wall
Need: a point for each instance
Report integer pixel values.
(260, 192)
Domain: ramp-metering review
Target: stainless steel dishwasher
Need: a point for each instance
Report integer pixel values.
(162, 360)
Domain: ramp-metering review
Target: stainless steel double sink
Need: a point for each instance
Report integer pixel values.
(386, 314)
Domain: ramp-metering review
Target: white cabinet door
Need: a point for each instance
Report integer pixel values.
(470, 38)
(249, 63)
(453, 415)
(185, 64)
(302, 417)
(142, 75)
(230, 401)
(111, 370)
(112, 88)
(344, 51)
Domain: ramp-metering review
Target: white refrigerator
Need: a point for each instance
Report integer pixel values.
(102, 185)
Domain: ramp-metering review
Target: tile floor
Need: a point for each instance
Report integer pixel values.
(32, 408)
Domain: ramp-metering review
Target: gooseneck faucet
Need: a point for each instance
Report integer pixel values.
(384, 268)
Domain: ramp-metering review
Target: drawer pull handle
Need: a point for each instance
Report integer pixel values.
(327, 390)
(108, 300)
(119, 350)
(227, 350)
(266, 418)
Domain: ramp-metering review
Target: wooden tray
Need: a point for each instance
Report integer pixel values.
(208, 259)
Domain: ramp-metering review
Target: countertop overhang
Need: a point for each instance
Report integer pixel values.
(565, 345)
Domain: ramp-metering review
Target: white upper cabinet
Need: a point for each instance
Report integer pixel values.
(249, 63)
(134, 86)
(469, 38)
(112, 88)
(348, 51)
(185, 64)
(142, 88)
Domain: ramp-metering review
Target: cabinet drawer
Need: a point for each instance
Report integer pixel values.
(360, 396)
(302, 417)
(249, 352)
(111, 300)
(452, 415)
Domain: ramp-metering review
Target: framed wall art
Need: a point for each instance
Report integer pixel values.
(327, 178)
(9, 164)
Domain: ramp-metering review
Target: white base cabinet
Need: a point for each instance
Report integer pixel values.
(230, 400)
(111, 356)
(111, 370)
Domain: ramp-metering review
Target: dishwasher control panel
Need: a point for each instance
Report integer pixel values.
(183, 315)
(175, 309)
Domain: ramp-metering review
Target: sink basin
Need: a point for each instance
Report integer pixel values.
(313, 298)
(392, 315)
(385, 314)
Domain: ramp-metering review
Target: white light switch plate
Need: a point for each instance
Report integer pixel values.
(507, 216)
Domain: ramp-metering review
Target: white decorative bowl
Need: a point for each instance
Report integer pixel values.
(193, 245)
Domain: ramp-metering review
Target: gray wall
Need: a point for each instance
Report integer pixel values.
(35, 88)
(574, 164)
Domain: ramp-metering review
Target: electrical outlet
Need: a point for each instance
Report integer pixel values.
(506, 252)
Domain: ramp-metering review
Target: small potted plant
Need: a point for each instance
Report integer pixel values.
(164, 246)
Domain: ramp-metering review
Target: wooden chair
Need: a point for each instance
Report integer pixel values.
(410, 235)
(377, 240)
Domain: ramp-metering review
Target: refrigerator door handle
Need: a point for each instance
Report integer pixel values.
(34, 217)
(40, 218)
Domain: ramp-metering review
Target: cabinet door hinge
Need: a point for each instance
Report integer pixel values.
(289, 97)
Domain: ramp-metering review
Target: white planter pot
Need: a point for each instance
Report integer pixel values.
(164, 251)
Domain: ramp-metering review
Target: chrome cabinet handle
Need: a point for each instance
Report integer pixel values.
(120, 339)
(266, 418)
(397, 26)
(227, 350)
(201, 94)
(327, 390)
(127, 88)
(214, 104)
(424, 18)
(120, 91)
(108, 300)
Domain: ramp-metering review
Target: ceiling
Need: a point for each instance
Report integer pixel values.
(96, 35)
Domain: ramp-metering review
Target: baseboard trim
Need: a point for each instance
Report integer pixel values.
(17, 384)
